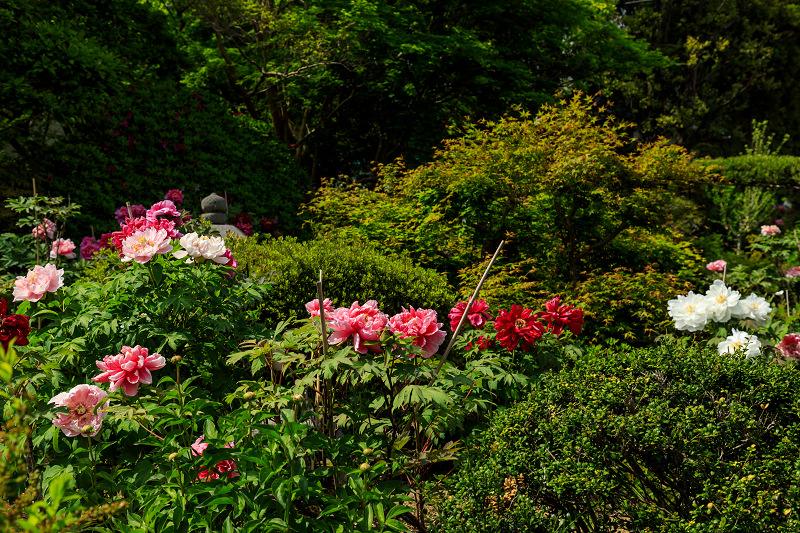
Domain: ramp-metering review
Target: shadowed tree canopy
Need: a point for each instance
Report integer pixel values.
(351, 82)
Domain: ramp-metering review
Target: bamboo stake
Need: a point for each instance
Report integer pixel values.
(466, 311)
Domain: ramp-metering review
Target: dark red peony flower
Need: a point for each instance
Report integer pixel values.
(13, 327)
(557, 316)
(517, 327)
(482, 343)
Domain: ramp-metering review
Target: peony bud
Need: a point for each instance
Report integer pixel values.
(367, 451)
(172, 456)
(87, 429)
(176, 359)
(249, 395)
(297, 397)
(365, 467)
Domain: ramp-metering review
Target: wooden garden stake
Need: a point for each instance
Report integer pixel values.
(466, 311)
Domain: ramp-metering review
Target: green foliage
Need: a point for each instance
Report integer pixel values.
(352, 270)
(730, 63)
(156, 137)
(352, 82)
(757, 170)
(560, 187)
(673, 438)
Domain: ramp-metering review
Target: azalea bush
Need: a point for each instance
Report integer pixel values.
(675, 438)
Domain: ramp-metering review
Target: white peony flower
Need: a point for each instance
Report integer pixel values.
(721, 301)
(753, 307)
(740, 340)
(204, 247)
(689, 312)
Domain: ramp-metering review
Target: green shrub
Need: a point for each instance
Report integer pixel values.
(673, 438)
(353, 270)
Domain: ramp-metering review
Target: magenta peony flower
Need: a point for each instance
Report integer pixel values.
(223, 467)
(128, 368)
(768, 231)
(64, 247)
(132, 225)
(46, 228)
(793, 272)
(717, 266)
(137, 211)
(790, 346)
(779, 221)
(420, 325)
(13, 327)
(40, 280)
(164, 208)
(557, 316)
(231, 263)
(313, 308)
(175, 196)
(83, 402)
(477, 316)
(89, 247)
(143, 245)
(362, 322)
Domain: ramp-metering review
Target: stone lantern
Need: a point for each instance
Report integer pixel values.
(215, 210)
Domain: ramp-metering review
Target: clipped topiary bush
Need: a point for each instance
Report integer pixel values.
(674, 438)
(353, 270)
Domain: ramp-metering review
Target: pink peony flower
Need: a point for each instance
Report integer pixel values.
(793, 272)
(132, 225)
(63, 247)
(790, 346)
(174, 195)
(137, 211)
(557, 316)
(420, 325)
(89, 247)
(83, 402)
(164, 208)
(40, 280)
(362, 322)
(46, 228)
(768, 231)
(231, 263)
(223, 467)
(717, 266)
(779, 221)
(477, 316)
(143, 245)
(313, 308)
(128, 368)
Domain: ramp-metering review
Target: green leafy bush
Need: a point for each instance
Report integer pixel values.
(674, 438)
(352, 269)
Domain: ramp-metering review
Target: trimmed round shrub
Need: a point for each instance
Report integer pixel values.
(674, 438)
(353, 270)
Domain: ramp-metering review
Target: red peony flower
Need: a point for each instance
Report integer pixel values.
(557, 316)
(483, 344)
(227, 466)
(517, 327)
(790, 346)
(13, 327)
(477, 316)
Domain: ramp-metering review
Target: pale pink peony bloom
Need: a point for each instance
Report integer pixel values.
(46, 228)
(362, 322)
(142, 245)
(227, 466)
(793, 272)
(790, 346)
(420, 325)
(205, 247)
(84, 407)
(40, 280)
(164, 208)
(768, 231)
(717, 266)
(313, 308)
(64, 247)
(128, 368)
(477, 316)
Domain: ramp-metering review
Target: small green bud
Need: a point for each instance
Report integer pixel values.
(367, 451)
(385, 335)
(87, 429)
(249, 395)
(172, 456)
(176, 359)
(365, 467)
(297, 397)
